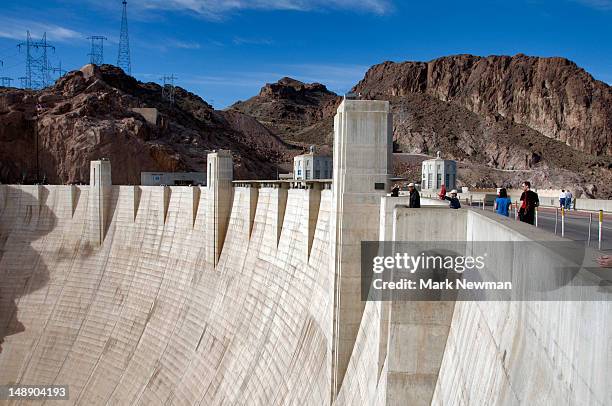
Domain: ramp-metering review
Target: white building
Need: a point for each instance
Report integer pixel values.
(437, 172)
(312, 166)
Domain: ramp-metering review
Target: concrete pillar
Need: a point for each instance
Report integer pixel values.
(100, 189)
(362, 167)
(219, 201)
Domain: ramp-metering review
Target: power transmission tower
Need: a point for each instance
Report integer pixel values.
(168, 88)
(37, 63)
(96, 56)
(24, 81)
(61, 72)
(123, 59)
(5, 81)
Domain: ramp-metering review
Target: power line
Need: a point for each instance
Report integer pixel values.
(123, 59)
(96, 55)
(61, 72)
(168, 88)
(5, 81)
(37, 63)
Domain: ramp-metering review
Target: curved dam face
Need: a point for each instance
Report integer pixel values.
(249, 293)
(144, 318)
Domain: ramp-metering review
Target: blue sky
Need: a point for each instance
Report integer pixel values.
(226, 50)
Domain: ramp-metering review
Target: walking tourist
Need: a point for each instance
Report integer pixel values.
(414, 200)
(529, 202)
(503, 203)
(568, 199)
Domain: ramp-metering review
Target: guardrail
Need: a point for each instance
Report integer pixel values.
(581, 221)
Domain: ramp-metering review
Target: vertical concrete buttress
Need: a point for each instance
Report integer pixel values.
(362, 166)
(220, 173)
(100, 189)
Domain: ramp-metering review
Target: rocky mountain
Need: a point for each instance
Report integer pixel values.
(93, 113)
(298, 112)
(504, 118)
(550, 95)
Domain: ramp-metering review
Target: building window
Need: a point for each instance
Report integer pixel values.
(317, 174)
(439, 181)
(307, 173)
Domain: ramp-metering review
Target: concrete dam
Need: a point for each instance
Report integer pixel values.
(248, 293)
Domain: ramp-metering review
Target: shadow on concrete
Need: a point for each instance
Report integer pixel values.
(22, 269)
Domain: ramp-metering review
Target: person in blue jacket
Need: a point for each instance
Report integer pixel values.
(503, 203)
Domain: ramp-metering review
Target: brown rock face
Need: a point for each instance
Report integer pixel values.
(550, 95)
(506, 119)
(88, 115)
(298, 112)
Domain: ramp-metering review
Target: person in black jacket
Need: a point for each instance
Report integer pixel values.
(454, 200)
(414, 200)
(529, 202)
(395, 191)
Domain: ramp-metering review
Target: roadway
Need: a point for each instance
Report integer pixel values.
(576, 225)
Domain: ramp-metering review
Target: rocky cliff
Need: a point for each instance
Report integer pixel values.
(300, 113)
(504, 118)
(550, 95)
(94, 113)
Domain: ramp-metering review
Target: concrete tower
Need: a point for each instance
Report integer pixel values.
(362, 167)
(219, 196)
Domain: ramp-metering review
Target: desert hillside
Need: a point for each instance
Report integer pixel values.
(88, 114)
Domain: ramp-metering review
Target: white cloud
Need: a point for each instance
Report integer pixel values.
(185, 44)
(218, 8)
(598, 4)
(252, 41)
(16, 29)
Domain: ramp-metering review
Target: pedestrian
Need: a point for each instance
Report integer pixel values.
(503, 203)
(562, 198)
(395, 191)
(454, 201)
(568, 199)
(442, 193)
(414, 200)
(529, 202)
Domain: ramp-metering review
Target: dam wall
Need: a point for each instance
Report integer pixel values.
(485, 352)
(249, 293)
(145, 318)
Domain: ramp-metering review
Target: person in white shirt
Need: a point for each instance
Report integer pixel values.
(568, 200)
(562, 198)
